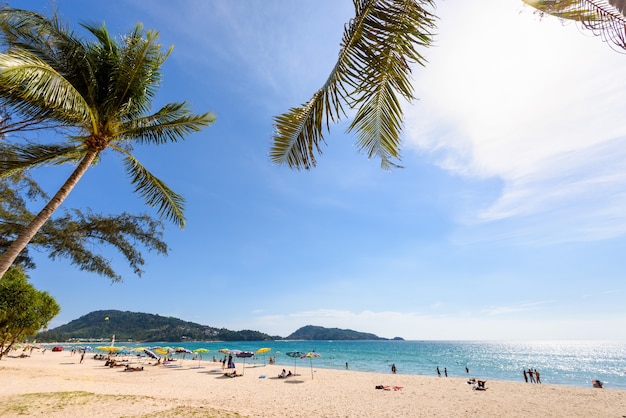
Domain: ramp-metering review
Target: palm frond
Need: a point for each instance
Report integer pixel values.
(156, 193)
(33, 88)
(170, 124)
(604, 18)
(17, 158)
(379, 124)
(377, 50)
(132, 71)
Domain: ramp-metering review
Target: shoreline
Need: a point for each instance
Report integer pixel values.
(58, 385)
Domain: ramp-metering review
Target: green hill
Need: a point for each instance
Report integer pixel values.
(100, 326)
(311, 332)
(134, 326)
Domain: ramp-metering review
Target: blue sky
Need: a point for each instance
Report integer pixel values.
(507, 222)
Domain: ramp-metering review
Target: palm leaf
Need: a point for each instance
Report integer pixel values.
(604, 18)
(156, 193)
(378, 47)
(32, 88)
(17, 158)
(170, 124)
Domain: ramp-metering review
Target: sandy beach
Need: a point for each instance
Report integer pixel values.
(58, 385)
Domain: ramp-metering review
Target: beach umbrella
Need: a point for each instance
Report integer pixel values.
(263, 351)
(244, 355)
(109, 348)
(199, 352)
(150, 353)
(296, 355)
(160, 350)
(183, 351)
(311, 355)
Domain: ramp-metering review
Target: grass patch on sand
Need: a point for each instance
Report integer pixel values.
(84, 404)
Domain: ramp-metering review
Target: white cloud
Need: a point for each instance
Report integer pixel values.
(533, 103)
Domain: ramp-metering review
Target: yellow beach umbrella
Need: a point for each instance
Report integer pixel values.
(109, 348)
(160, 350)
(199, 352)
(263, 351)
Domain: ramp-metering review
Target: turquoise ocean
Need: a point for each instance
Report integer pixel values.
(571, 363)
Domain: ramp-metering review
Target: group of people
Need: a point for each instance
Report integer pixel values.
(445, 371)
(228, 363)
(532, 376)
(284, 374)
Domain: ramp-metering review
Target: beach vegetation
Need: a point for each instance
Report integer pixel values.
(606, 19)
(99, 92)
(371, 76)
(24, 310)
(76, 234)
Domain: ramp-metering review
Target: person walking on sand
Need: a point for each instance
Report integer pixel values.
(525, 376)
(82, 356)
(438, 372)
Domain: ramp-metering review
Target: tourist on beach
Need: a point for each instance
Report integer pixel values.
(525, 376)
(445, 371)
(531, 375)
(393, 368)
(82, 356)
(537, 376)
(438, 372)
(346, 365)
(466, 369)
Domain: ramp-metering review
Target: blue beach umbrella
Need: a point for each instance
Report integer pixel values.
(296, 355)
(244, 355)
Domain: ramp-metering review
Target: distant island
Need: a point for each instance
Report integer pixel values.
(100, 326)
(311, 332)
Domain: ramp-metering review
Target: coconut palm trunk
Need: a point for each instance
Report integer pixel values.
(22, 240)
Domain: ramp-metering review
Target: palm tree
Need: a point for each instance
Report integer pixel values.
(100, 90)
(605, 18)
(378, 47)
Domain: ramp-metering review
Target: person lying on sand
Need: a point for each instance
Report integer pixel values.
(133, 369)
(388, 387)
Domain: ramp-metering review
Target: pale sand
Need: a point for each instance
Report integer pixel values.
(57, 385)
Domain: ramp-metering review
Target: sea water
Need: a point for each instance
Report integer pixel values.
(572, 363)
